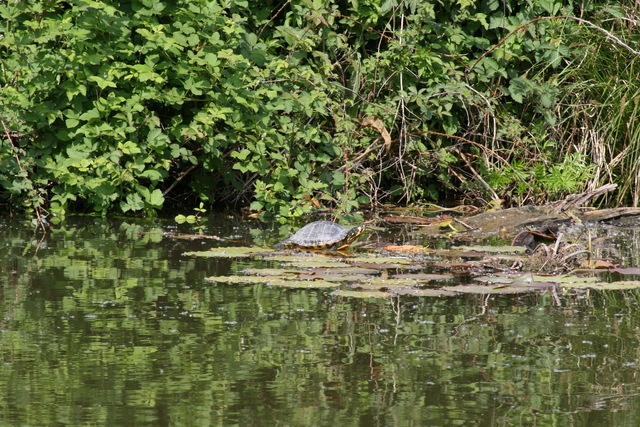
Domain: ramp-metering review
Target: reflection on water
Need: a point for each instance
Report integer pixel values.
(107, 323)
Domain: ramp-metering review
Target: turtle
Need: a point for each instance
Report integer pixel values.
(323, 235)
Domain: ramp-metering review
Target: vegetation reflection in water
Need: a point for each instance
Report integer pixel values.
(106, 322)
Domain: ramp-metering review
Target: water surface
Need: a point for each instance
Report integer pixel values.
(105, 322)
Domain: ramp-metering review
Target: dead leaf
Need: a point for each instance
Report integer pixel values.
(405, 248)
(598, 263)
(377, 124)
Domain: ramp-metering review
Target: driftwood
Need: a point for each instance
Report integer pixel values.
(574, 201)
(511, 221)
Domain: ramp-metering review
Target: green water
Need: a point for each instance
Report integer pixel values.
(106, 323)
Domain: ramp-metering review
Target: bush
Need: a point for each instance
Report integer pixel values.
(126, 106)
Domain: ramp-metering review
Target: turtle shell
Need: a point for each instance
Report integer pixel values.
(323, 235)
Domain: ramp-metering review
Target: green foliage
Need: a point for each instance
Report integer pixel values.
(601, 104)
(141, 105)
(193, 219)
(543, 180)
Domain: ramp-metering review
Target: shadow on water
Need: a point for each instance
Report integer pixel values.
(107, 322)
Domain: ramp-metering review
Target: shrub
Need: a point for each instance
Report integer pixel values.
(125, 106)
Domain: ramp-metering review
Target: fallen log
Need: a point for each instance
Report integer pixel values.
(513, 220)
(569, 209)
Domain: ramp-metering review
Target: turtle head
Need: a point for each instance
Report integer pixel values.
(356, 232)
(351, 235)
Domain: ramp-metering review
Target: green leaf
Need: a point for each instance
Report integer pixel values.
(153, 175)
(90, 115)
(338, 178)
(616, 11)
(242, 155)
(102, 83)
(517, 90)
(156, 199)
(133, 202)
(256, 206)
(71, 123)
(129, 148)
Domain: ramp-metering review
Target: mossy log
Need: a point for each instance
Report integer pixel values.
(571, 208)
